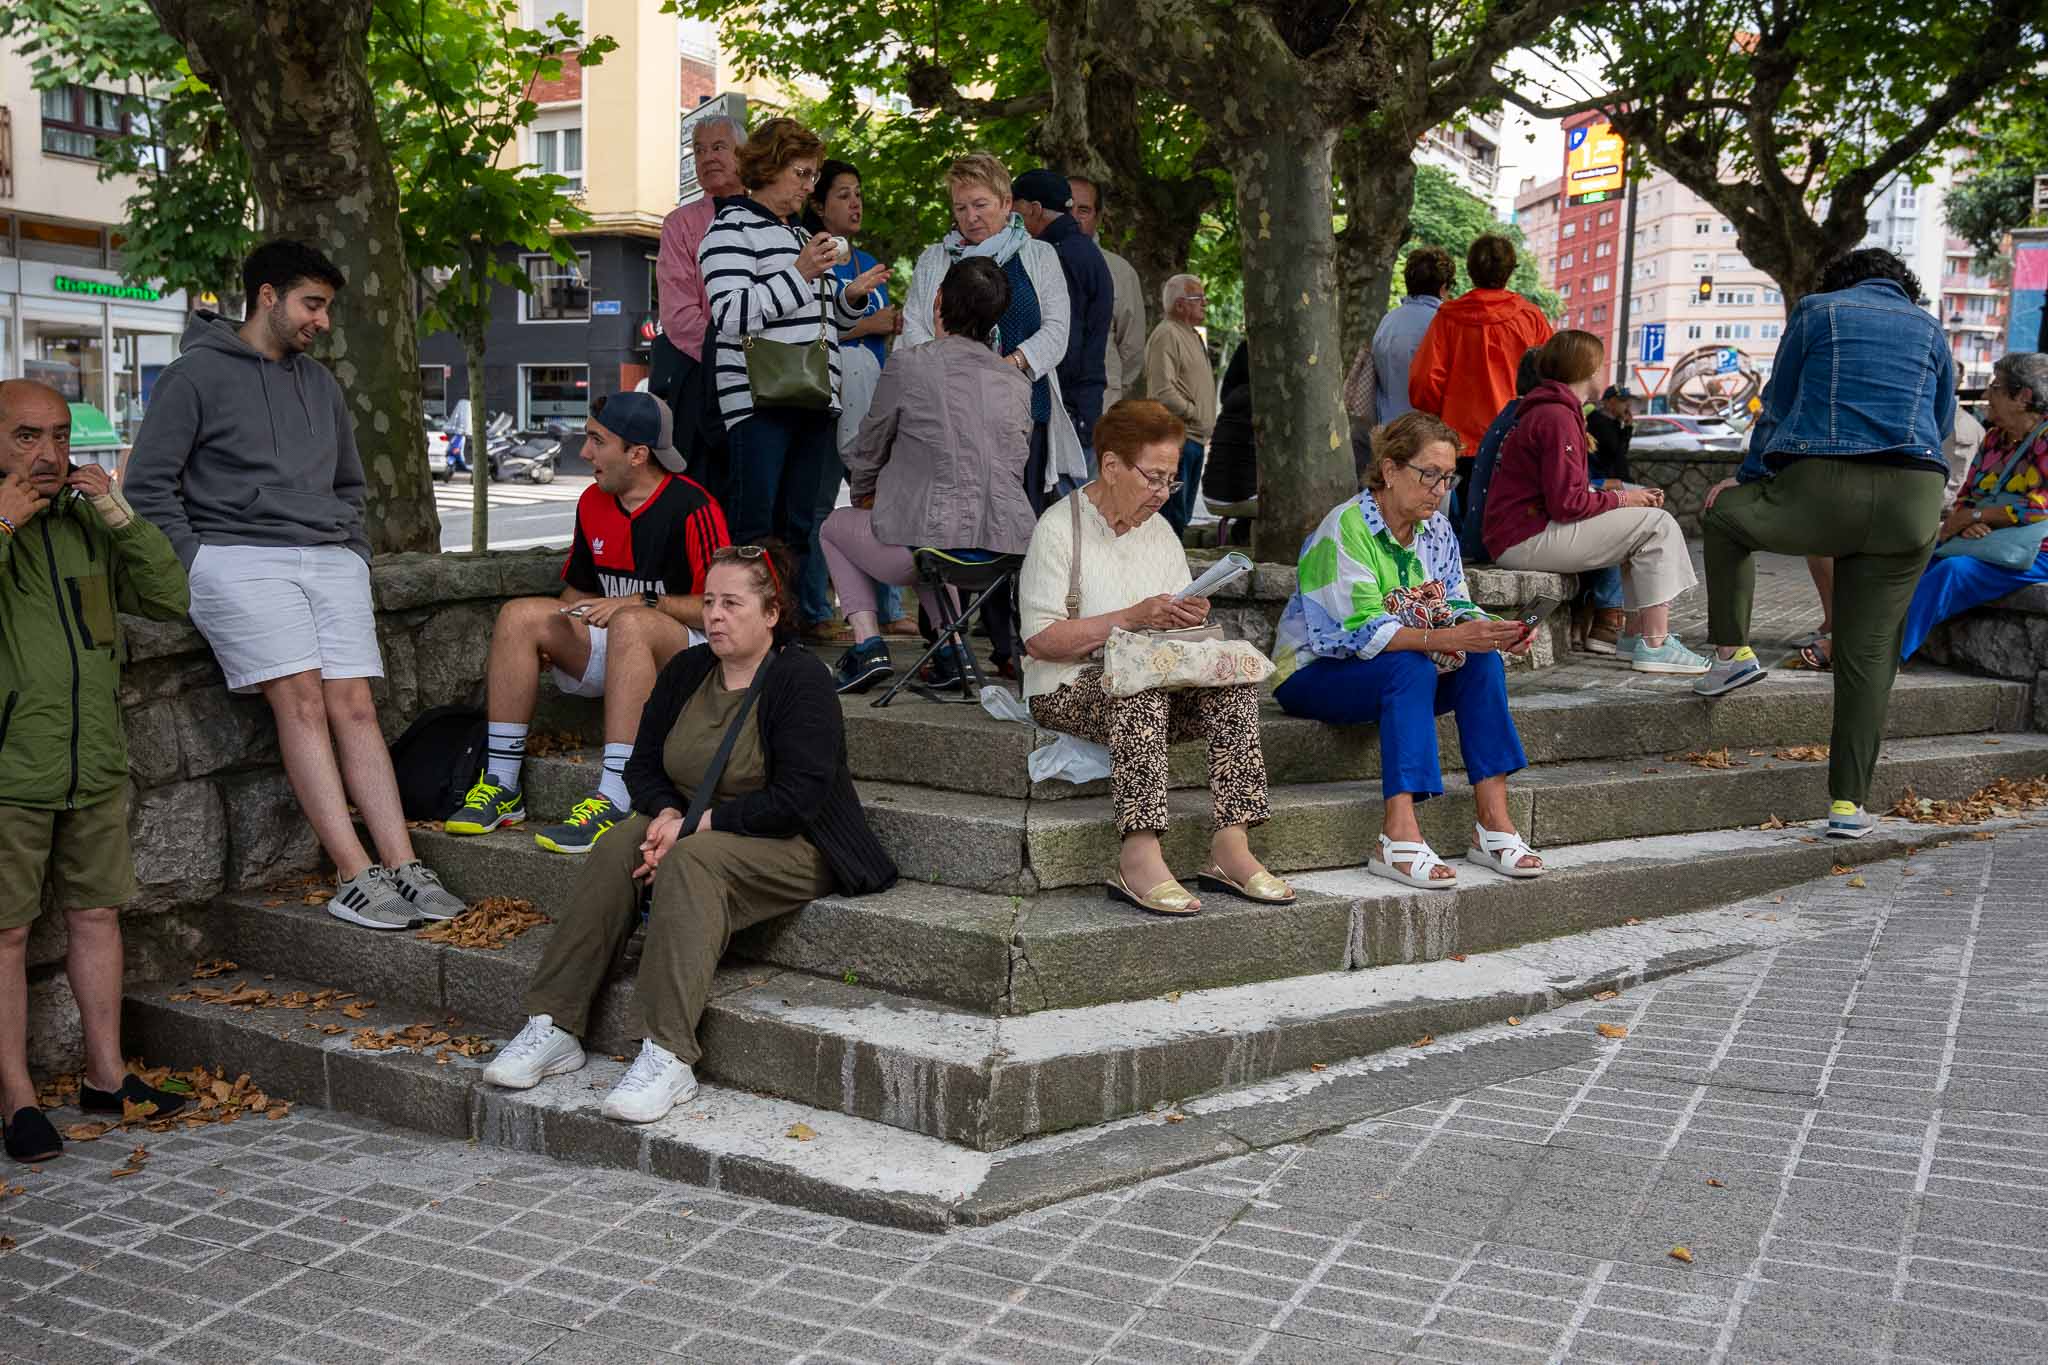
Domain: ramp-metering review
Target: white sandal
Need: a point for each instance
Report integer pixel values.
(1421, 860)
(1502, 853)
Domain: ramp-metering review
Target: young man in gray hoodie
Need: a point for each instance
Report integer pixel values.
(247, 461)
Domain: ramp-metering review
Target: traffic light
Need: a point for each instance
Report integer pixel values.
(1706, 289)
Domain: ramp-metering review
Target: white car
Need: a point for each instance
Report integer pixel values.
(437, 455)
(1670, 433)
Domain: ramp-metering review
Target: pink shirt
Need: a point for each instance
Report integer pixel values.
(684, 309)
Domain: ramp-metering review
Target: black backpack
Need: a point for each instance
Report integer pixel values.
(437, 758)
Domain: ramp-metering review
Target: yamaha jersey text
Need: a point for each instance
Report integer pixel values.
(663, 546)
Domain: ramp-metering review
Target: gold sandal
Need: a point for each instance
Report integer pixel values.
(1263, 888)
(1167, 898)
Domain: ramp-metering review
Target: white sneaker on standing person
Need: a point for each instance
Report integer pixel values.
(247, 461)
(632, 599)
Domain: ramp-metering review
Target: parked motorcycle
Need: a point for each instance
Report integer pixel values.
(530, 456)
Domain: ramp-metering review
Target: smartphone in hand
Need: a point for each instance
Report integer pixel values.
(1538, 611)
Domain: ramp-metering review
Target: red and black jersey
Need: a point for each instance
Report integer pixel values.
(664, 545)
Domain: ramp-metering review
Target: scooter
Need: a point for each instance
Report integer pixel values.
(529, 456)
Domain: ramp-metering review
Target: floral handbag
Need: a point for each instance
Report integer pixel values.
(1426, 608)
(1142, 661)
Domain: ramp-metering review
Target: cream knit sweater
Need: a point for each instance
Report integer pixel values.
(1116, 572)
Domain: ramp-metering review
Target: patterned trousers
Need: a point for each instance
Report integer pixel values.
(1139, 729)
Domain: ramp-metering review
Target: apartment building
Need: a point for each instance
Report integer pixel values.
(584, 330)
(1536, 212)
(1470, 151)
(67, 316)
(1973, 312)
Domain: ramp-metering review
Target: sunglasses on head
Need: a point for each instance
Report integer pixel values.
(748, 554)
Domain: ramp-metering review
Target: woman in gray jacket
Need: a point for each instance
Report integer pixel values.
(939, 462)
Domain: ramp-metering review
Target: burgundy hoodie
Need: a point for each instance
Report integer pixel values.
(1542, 474)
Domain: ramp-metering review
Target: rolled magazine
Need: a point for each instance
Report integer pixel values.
(1225, 570)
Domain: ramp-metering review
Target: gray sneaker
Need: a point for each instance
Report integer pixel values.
(371, 899)
(418, 883)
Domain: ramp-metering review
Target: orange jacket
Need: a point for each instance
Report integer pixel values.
(1464, 370)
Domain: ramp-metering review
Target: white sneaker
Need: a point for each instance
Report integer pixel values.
(541, 1050)
(653, 1085)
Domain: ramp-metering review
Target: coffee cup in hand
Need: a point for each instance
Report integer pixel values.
(842, 250)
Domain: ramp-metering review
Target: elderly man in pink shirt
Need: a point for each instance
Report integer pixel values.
(684, 308)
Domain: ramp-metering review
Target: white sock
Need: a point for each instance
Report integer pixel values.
(614, 783)
(504, 753)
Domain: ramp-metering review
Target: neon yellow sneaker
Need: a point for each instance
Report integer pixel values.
(487, 807)
(1847, 820)
(1725, 675)
(586, 824)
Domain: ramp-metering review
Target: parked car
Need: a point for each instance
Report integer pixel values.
(1670, 433)
(437, 454)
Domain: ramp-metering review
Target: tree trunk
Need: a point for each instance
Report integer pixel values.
(294, 80)
(480, 455)
(1378, 184)
(1282, 173)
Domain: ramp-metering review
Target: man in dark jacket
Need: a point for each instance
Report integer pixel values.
(1042, 198)
(248, 462)
(72, 553)
(1611, 425)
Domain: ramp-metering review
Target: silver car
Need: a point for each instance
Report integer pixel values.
(1671, 433)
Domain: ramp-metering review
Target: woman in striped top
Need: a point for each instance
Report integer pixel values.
(768, 278)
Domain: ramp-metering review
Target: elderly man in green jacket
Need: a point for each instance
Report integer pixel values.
(72, 554)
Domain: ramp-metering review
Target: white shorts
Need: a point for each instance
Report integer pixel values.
(591, 684)
(272, 611)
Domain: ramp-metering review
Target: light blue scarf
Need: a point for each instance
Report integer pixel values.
(998, 246)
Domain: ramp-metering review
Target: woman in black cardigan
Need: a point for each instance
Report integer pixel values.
(780, 827)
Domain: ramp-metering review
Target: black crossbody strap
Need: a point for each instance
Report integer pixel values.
(700, 801)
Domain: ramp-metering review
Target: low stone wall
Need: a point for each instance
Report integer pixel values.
(1685, 480)
(1250, 608)
(2008, 639)
(211, 810)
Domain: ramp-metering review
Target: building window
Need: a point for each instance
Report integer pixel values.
(1564, 291)
(1741, 331)
(548, 392)
(1736, 298)
(1601, 282)
(559, 151)
(1564, 262)
(1692, 331)
(1701, 263)
(1702, 226)
(1599, 312)
(1604, 249)
(1731, 260)
(62, 243)
(1721, 330)
(1727, 228)
(1568, 230)
(76, 118)
(1772, 331)
(1909, 196)
(1606, 217)
(1773, 296)
(561, 293)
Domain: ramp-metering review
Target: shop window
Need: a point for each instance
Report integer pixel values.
(434, 389)
(553, 392)
(561, 293)
(76, 118)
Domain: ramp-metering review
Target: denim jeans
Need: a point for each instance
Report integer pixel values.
(1403, 693)
(1180, 508)
(780, 456)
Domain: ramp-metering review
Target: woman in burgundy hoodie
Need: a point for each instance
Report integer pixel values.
(1543, 513)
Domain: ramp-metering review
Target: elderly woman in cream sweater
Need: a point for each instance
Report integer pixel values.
(1130, 566)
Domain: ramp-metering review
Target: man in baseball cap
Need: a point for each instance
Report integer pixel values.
(632, 597)
(1611, 425)
(1042, 198)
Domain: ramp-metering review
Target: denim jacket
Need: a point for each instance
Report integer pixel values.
(1860, 371)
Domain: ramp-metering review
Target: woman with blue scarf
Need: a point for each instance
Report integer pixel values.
(1032, 335)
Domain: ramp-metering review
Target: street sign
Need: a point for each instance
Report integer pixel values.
(1728, 362)
(1653, 343)
(1650, 379)
(1594, 161)
(604, 308)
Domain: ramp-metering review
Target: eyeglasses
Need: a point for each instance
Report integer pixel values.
(748, 554)
(806, 175)
(1432, 483)
(1164, 484)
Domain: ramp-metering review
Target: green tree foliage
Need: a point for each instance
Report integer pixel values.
(2010, 148)
(1449, 216)
(1789, 116)
(190, 219)
(456, 76)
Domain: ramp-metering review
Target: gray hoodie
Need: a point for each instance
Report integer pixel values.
(239, 449)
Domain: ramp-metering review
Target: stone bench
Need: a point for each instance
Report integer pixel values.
(1685, 480)
(2007, 639)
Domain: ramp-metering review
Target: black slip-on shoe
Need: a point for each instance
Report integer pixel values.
(31, 1137)
(134, 1089)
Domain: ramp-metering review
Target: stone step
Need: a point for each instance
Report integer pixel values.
(987, 1081)
(1587, 711)
(1018, 846)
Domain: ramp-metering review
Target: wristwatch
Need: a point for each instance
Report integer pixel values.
(1976, 514)
(650, 598)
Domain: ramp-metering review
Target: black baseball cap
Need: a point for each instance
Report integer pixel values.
(1613, 392)
(1045, 187)
(641, 419)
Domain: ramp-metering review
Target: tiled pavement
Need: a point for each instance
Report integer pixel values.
(1849, 1133)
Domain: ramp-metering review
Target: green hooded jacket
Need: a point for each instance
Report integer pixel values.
(63, 576)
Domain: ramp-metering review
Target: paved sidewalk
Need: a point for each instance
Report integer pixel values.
(1849, 1133)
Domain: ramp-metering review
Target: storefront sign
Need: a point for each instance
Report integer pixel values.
(65, 284)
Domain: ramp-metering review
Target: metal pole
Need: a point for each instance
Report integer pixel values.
(1628, 282)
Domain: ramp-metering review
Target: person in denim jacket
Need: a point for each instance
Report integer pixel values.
(1845, 461)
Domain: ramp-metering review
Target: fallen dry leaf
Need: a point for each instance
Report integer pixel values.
(490, 923)
(1681, 1254)
(1611, 1031)
(1631, 920)
(1839, 870)
(1948, 891)
(1856, 882)
(87, 1132)
(1318, 1066)
(218, 966)
(2004, 797)
(1173, 997)
(1424, 1041)
(1457, 957)
(1803, 753)
(1653, 770)
(7, 1244)
(1715, 1184)
(131, 1112)
(1994, 741)
(802, 1132)
(548, 742)
(1607, 995)
(1775, 822)
(1808, 839)
(1706, 758)
(1176, 1117)
(1514, 1020)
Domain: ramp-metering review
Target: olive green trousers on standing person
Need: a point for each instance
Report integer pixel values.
(708, 888)
(1877, 522)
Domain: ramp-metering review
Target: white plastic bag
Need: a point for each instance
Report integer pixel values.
(1067, 759)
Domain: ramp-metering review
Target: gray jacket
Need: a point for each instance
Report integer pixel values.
(943, 447)
(239, 449)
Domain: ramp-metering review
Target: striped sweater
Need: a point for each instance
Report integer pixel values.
(748, 261)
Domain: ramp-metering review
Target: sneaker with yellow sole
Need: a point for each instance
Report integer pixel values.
(593, 816)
